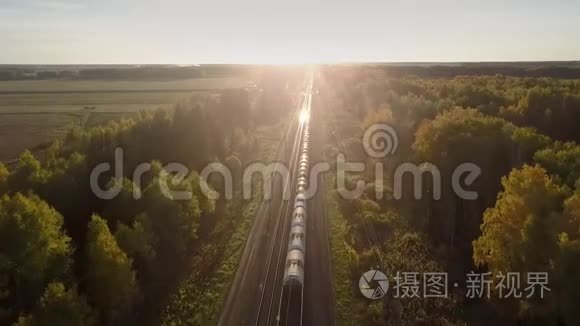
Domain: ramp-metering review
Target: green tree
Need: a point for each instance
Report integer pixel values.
(28, 173)
(572, 216)
(111, 280)
(568, 276)
(175, 222)
(123, 208)
(520, 233)
(528, 141)
(60, 306)
(453, 138)
(33, 248)
(138, 240)
(206, 204)
(4, 173)
(410, 252)
(562, 160)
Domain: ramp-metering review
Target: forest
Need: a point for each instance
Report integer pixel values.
(523, 134)
(68, 257)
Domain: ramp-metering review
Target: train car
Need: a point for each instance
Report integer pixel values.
(294, 269)
(300, 201)
(301, 186)
(299, 217)
(297, 238)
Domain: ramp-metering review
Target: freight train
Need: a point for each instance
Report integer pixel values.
(294, 268)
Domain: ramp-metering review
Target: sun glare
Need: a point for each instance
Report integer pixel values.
(304, 116)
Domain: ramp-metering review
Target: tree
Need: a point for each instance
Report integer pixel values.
(33, 248)
(175, 222)
(60, 306)
(520, 232)
(562, 160)
(455, 137)
(464, 135)
(528, 141)
(138, 241)
(123, 208)
(568, 275)
(409, 252)
(4, 173)
(572, 215)
(28, 174)
(206, 204)
(111, 279)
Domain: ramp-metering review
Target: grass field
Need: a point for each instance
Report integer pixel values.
(82, 99)
(33, 112)
(22, 131)
(100, 85)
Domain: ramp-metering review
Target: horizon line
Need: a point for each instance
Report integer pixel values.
(292, 64)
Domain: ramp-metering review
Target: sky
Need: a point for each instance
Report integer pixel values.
(292, 31)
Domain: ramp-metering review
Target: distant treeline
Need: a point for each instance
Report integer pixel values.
(120, 72)
(567, 72)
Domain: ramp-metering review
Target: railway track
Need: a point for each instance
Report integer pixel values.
(274, 296)
(258, 295)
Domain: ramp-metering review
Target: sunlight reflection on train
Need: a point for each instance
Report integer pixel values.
(304, 116)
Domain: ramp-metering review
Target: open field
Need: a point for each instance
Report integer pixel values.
(21, 131)
(80, 99)
(77, 108)
(35, 111)
(101, 85)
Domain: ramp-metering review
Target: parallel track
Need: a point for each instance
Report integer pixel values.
(273, 290)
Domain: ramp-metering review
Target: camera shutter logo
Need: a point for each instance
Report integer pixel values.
(367, 279)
